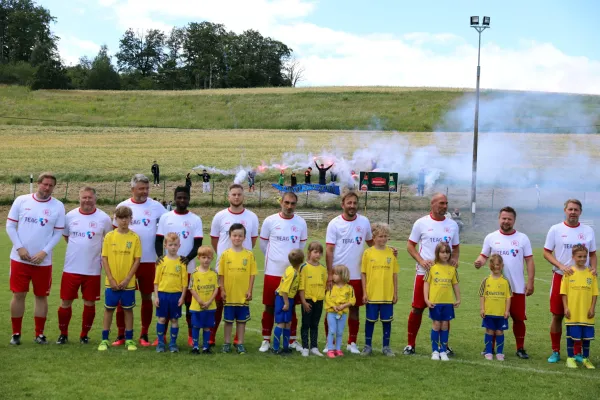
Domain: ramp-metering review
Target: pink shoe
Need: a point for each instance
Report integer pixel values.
(338, 353)
(331, 354)
(500, 357)
(489, 356)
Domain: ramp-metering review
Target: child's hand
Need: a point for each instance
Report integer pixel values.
(156, 302)
(336, 309)
(181, 301)
(457, 303)
(395, 298)
(124, 284)
(395, 251)
(567, 313)
(113, 284)
(429, 304)
(307, 307)
(591, 313)
(365, 298)
(159, 259)
(223, 295)
(506, 314)
(482, 313)
(249, 295)
(286, 306)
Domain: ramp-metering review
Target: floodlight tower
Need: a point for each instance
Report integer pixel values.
(479, 29)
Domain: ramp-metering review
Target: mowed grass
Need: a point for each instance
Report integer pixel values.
(75, 371)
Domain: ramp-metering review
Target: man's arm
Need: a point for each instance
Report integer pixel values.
(455, 255)
(530, 275)
(11, 229)
(549, 256)
(411, 247)
(39, 257)
(593, 263)
(214, 242)
(159, 246)
(194, 252)
(264, 243)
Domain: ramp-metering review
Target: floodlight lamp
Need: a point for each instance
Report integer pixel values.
(486, 21)
(474, 21)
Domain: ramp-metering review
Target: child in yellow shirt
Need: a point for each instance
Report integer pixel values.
(337, 303)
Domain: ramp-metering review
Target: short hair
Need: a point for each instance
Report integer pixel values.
(46, 175)
(205, 251)
(87, 189)
(378, 228)
(438, 249)
(290, 194)
(139, 178)
(123, 212)
(315, 246)
(235, 227)
(508, 210)
(349, 193)
(577, 248)
(183, 189)
(296, 258)
(236, 186)
(343, 272)
(171, 237)
(574, 201)
(496, 259)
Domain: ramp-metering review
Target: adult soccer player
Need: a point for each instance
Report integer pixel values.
(557, 251)
(345, 240)
(35, 224)
(188, 226)
(146, 214)
(280, 233)
(85, 228)
(220, 241)
(427, 232)
(515, 248)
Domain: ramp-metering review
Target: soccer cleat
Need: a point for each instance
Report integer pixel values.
(331, 354)
(286, 352)
(500, 357)
(315, 351)
(275, 352)
(84, 340)
(449, 351)
(173, 348)
(522, 354)
(554, 358)
(588, 364)
(387, 351)
(241, 349)
(144, 342)
(62, 339)
(207, 351)
(155, 343)
(409, 351)
(444, 356)
(119, 341)
(571, 363)
(41, 339)
(130, 345)
(15, 340)
(435, 356)
(226, 348)
(264, 346)
(296, 346)
(339, 353)
(305, 352)
(195, 351)
(211, 344)
(367, 351)
(103, 346)
(489, 356)
(190, 341)
(160, 348)
(579, 358)
(353, 348)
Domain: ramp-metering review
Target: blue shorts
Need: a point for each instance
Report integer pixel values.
(495, 323)
(442, 312)
(236, 313)
(112, 298)
(167, 305)
(580, 332)
(283, 317)
(383, 312)
(203, 319)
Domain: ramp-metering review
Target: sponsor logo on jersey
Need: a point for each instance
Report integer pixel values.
(571, 245)
(358, 240)
(146, 221)
(185, 234)
(294, 238)
(93, 224)
(43, 221)
(514, 252)
(446, 239)
(90, 234)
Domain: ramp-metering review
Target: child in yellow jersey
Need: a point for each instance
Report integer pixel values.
(313, 280)
(237, 270)
(204, 286)
(121, 254)
(170, 285)
(439, 282)
(494, 297)
(379, 275)
(284, 302)
(337, 302)
(579, 291)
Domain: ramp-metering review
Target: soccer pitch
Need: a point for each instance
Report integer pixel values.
(78, 371)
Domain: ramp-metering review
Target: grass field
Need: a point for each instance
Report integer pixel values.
(76, 371)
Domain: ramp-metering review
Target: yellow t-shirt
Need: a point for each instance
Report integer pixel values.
(495, 291)
(579, 289)
(379, 267)
(313, 280)
(441, 278)
(236, 268)
(171, 276)
(121, 250)
(289, 282)
(204, 284)
(338, 296)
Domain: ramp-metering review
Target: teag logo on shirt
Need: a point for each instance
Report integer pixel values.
(90, 234)
(43, 221)
(514, 252)
(358, 240)
(185, 234)
(146, 221)
(293, 238)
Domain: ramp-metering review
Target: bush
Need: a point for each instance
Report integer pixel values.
(20, 73)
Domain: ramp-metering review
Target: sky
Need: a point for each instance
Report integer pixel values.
(532, 45)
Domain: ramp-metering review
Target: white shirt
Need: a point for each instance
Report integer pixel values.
(283, 235)
(561, 238)
(513, 249)
(220, 229)
(36, 221)
(86, 233)
(427, 232)
(144, 222)
(349, 239)
(187, 226)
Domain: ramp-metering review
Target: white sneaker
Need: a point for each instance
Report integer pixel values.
(444, 356)
(304, 352)
(264, 347)
(296, 346)
(353, 348)
(316, 352)
(325, 349)
(435, 356)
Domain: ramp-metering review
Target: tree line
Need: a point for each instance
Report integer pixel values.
(200, 55)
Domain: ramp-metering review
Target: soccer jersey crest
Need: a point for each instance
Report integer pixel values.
(389, 260)
(178, 268)
(245, 262)
(129, 244)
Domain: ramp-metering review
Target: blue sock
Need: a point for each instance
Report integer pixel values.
(444, 340)
(435, 340)
(129, 335)
(488, 343)
(387, 332)
(570, 344)
(585, 345)
(105, 335)
(499, 344)
(369, 328)
(286, 338)
(174, 333)
(205, 339)
(277, 337)
(160, 332)
(195, 336)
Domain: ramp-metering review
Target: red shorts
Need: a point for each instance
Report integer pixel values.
(418, 293)
(270, 285)
(70, 284)
(358, 292)
(145, 277)
(517, 307)
(21, 274)
(556, 304)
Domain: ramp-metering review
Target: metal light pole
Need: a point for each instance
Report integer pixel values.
(479, 29)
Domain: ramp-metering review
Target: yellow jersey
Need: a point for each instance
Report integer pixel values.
(313, 280)
(495, 291)
(338, 296)
(379, 267)
(289, 282)
(579, 289)
(204, 284)
(121, 250)
(236, 268)
(171, 275)
(441, 278)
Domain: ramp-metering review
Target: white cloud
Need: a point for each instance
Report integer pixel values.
(72, 48)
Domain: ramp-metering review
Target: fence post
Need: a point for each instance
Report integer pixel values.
(115, 196)
(164, 188)
(15, 192)
(66, 191)
(400, 200)
(492, 199)
(259, 194)
(366, 198)
(212, 193)
(389, 205)
(30, 183)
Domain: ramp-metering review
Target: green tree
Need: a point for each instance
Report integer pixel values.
(51, 74)
(141, 53)
(79, 73)
(203, 53)
(102, 75)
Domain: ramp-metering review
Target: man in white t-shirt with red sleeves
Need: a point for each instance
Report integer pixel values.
(85, 228)
(515, 249)
(280, 233)
(34, 225)
(346, 237)
(557, 251)
(427, 232)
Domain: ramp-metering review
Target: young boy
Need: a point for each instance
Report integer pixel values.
(284, 302)
(237, 270)
(204, 286)
(494, 297)
(579, 293)
(121, 253)
(379, 275)
(170, 285)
